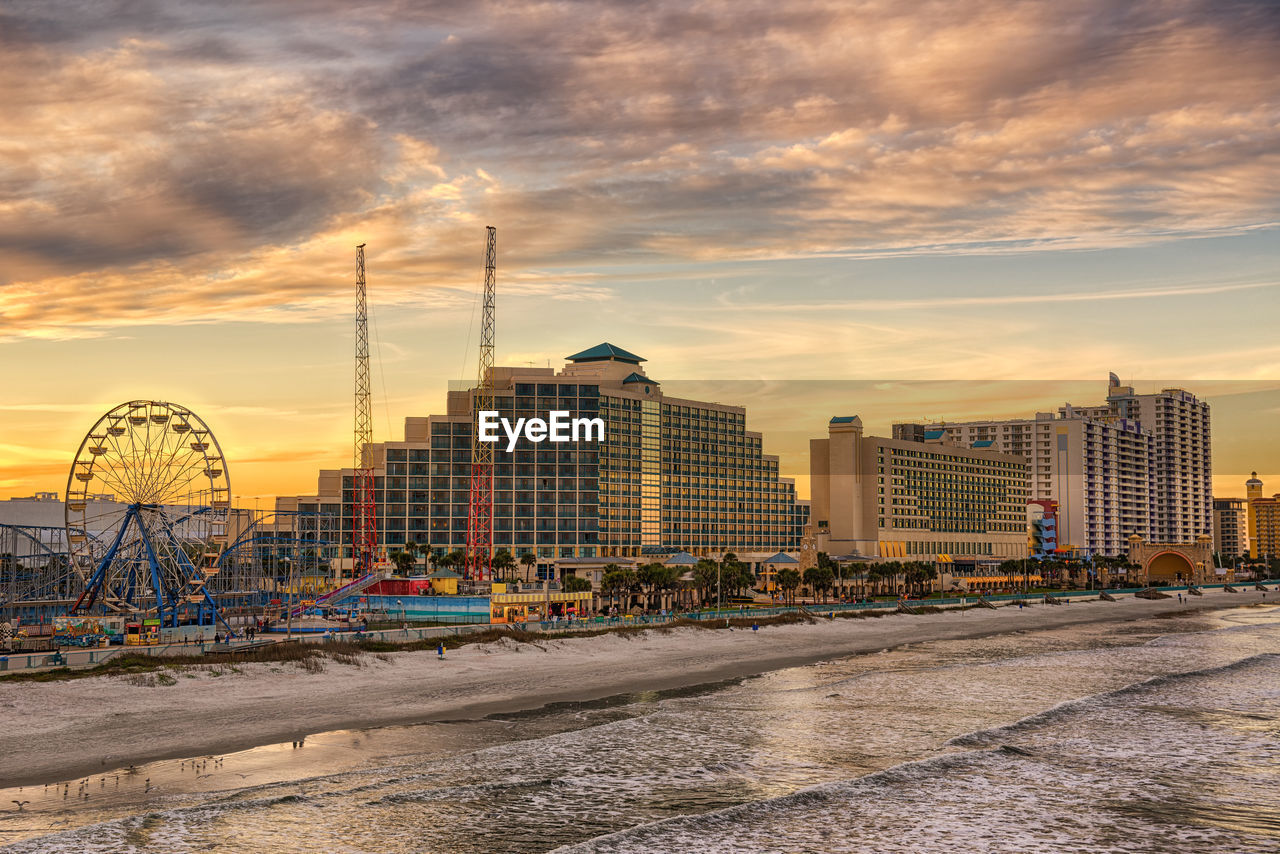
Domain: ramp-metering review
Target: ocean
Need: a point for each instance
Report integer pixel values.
(1157, 735)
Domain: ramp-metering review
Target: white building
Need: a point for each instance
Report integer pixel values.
(1137, 465)
(1182, 485)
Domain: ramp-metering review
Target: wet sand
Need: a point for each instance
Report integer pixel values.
(61, 730)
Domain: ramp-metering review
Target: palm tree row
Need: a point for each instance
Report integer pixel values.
(503, 562)
(655, 584)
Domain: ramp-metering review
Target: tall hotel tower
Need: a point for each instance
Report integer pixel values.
(669, 475)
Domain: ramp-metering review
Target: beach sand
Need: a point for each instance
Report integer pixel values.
(59, 730)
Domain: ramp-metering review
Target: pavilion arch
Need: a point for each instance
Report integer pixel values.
(1174, 564)
(1169, 568)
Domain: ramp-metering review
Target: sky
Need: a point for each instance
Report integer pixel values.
(901, 210)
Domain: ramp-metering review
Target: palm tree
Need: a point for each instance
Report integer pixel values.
(825, 562)
(928, 573)
(893, 571)
(662, 579)
(403, 560)
(736, 576)
(574, 584)
(705, 575)
(788, 580)
(502, 563)
(819, 579)
(733, 569)
(528, 560)
(616, 580)
(647, 579)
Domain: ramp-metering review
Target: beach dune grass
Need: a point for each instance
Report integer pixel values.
(312, 656)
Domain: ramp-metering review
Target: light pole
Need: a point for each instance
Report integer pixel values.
(719, 606)
(404, 624)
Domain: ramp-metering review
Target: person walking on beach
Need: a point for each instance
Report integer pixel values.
(1179, 598)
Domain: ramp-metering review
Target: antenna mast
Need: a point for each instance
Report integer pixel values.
(364, 524)
(480, 518)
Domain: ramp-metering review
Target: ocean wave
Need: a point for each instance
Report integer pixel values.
(469, 792)
(838, 793)
(985, 737)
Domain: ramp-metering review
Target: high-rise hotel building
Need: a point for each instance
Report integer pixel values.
(1138, 464)
(916, 500)
(670, 474)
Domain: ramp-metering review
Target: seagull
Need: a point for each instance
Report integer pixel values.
(21, 804)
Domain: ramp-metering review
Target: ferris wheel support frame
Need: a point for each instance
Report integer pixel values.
(168, 607)
(197, 575)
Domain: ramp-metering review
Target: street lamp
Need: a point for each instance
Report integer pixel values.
(719, 605)
(404, 623)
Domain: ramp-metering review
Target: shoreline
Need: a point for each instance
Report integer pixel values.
(55, 731)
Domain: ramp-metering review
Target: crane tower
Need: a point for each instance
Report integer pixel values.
(480, 518)
(364, 524)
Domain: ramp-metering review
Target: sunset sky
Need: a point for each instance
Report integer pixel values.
(900, 210)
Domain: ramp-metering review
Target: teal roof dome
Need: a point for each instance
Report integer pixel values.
(605, 353)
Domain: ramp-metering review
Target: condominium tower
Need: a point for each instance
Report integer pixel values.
(1138, 464)
(1230, 528)
(1182, 479)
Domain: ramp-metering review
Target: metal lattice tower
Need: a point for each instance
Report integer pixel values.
(480, 518)
(364, 525)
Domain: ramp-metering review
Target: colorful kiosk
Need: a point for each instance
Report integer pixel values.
(536, 605)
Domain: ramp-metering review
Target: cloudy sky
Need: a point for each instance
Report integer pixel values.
(763, 193)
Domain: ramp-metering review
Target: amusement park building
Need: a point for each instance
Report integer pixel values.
(670, 474)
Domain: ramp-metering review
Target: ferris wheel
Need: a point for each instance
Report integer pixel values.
(147, 502)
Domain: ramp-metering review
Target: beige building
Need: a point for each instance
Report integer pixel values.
(1096, 469)
(906, 500)
(1138, 464)
(1230, 528)
(1263, 521)
(1182, 469)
